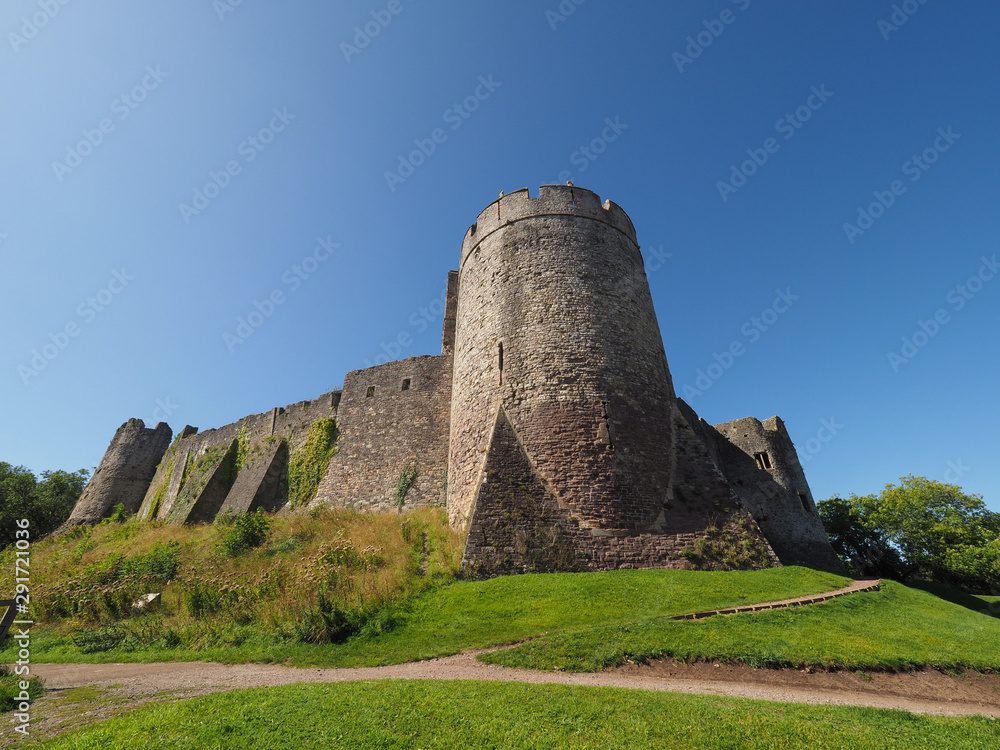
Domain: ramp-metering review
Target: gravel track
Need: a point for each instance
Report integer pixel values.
(927, 691)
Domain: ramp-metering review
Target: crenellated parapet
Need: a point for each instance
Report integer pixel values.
(552, 200)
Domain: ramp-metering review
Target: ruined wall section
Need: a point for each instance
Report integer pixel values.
(393, 419)
(706, 503)
(556, 323)
(239, 466)
(763, 468)
(124, 473)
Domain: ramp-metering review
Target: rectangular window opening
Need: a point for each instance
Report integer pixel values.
(763, 460)
(805, 502)
(371, 391)
(406, 384)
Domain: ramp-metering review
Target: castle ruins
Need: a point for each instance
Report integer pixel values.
(548, 427)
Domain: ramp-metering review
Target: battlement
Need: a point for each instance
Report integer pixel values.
(552, 200)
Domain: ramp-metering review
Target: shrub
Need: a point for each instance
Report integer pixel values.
(10, 689)
(160, 564)
(331, 622)
(118, 515)
(96, 641)
(246, 531)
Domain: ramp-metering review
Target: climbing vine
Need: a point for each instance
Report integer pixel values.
(308, 464)
(406, 480)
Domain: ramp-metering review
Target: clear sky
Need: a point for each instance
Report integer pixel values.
(167, 167)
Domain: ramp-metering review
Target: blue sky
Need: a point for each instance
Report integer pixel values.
(169, 168)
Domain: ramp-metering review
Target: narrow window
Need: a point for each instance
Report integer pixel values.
(335, 400)
(406, 384)
(500, 360)
(805, 502)
(371, 391)
(763, 460)
(604, 428)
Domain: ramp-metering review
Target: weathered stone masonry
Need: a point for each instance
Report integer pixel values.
(548, 426)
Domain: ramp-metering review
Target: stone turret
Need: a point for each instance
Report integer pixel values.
(124, 473)
(556, 328)
(561, 381)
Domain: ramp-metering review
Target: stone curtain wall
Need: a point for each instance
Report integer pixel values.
(262, 482)
(558, 282)
(392, 430)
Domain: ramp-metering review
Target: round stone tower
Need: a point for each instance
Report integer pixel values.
(558, 360)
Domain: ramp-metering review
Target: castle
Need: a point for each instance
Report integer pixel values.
(548, 427)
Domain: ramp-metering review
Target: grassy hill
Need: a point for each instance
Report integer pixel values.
(895, 628)
(339, 588)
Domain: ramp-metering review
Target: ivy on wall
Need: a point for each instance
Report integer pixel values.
(308, 463)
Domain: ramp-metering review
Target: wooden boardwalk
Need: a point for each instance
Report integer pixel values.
(861, 584)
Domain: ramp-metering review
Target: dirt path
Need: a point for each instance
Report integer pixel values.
(927, 691)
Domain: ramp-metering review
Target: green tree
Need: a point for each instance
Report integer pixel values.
(865, 549)
(936, 531)
(46, 503)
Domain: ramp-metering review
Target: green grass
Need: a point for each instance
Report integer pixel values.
(426, 714)
(987, 605)
(477, 614)
(895, 628)
(10, 688)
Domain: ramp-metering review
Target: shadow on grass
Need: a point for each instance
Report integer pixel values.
(982, 605)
